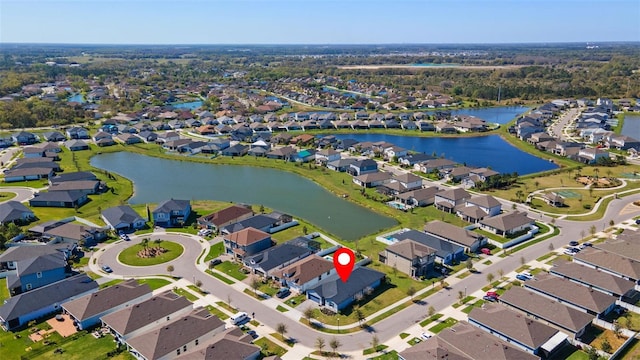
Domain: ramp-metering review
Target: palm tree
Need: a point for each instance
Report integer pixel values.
(145, 242)
(281, 328)
(320, 344)
(334, 344)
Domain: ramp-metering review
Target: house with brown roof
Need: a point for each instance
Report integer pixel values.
(469, 240)
(410, 257)
(625, 244)
(178, 337)
(518, 329)
(305, 273)
(564, 317)
(486, 203)
(373, 179)
(227, 216)
(419, 197)
(464, 341)
(568, 292)
(246, 242)
(230, 344)
(87, 310)
(593, 278)
(507, 224)
(139, 318)
(611, 262)
(449, 199)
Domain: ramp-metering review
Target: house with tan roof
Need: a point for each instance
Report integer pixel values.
(486, 203)
(449, 199)
(139, 318)
(507, 224)
(419, 197)
(373, 179)
(246, 242)
(610, 262)
(593, 278)
(230, 344)
(410, 257)
(86, 311)
(469, 240)
(227, 216)
(178, 337)
(305, 273)
(564, 317)
(518, 329)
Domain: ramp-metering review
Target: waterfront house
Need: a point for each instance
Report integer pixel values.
(25, 138)
(246, 242)
(146, 315)
(469, 240)
(128, 138)
(15, 212)
(267, 263)
(235, 150)
(373, 179)
(26, 174)
(19, 310)
(65, 198)
(449, 199)
(507, 224)
(227, 216)
(304, 273)
(623, 142)
(101, 135)
(147, 136)
(77, 132)
(411, 159)
(72, 176)
(433, 165)
(38, 271)
(419, 197)
(446, 251)
(567, 318)
(409, 257)
(76, 145)
(341, 165)
(260, 221)
(527, 334)
(325, 156)
(122, 218)
(336, 294)
(283, 153)
(171, 213)
(87, 310)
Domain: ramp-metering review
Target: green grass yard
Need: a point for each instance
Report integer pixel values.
(231, 269)
(129, 256)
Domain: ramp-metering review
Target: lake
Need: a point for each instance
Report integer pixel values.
(79, 98)
(498, 115)
(631, 126)
(482, 151)
(191, 105)
(158, 179)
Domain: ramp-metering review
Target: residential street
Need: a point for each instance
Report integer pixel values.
(185, 267)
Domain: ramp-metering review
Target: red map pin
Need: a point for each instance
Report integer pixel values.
(343, 261)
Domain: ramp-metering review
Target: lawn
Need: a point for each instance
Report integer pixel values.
(448, 322)
(254, 294)
(430, 319)
(287, 340)
(110, 283)
(269, 348)
(391, 355)
(4, 291)
(281, 308)
(196, 289)
(186, 294)
(222, 278)
(6, 196)
(215, 250)
(226, 307)
(129, 256)
(378, 348)
(215, 311)
(85, 347)
(296, 300)
(231, 269)
(154, 283)
(632, 351)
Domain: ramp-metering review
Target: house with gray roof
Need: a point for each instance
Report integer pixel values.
(72, 176)
(419, 197)
(410, 257)
(87, 310)
(340, 165)
(26, 174)
(448, 200)
(268, 262)
(226, 216)
(470, 240)
(69, 232)
(565, 317)
(336, 294)
(446, 252)
(610, 262)
(567, 292)
(518, 329)
(34, 272)
(15, 212)
(260, 221)
(171, 213)
(176, 338)
(625, 244)
(18, 310)
(139, 318)
(85, 186)
(123, 218)
(507, 224)
(593, 278)
(305, 273)
(487, 203)
(65, 198)
(230, 344)
(76, 145)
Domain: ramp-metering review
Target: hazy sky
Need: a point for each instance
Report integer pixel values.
(317, 22)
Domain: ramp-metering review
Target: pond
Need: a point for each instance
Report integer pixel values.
(158, 179)
(481, 151)
(191, 105)
(631, 126)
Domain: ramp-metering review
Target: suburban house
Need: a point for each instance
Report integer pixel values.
(616, 264)
(69, 232)
(26, 174)
(361, 167)
(87, 310)
(263, 222)
(594, 278)
(171, 213)
(246, 242)
(15, 212)
(341, 165)
(67, 199)
(464, 341)
(268, 262)
(447, 252)
(513, 327)
(325, 156)
(283, 153)
(177, 337)
(305, 273)
(18, 310)
(9, 259)
(336, 294)
(230, 344)
(86, 186)
(76, 145)
(123, 218)
(410, 257)
(25, 138)
(227, 216)
(447, 200)
(507, 224)
(136, 319)
(469, 240)
(235, 150)
(539, 307)
(487, 203)
(53, 136)
(592, 155)
(419, 197)
(403, 183)
(72, 176)
(34, 272)
(77, 133)
(567, 292)
(372, 179)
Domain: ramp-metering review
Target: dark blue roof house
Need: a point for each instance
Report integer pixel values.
(171, 213)
(447, 252)
(335, 294)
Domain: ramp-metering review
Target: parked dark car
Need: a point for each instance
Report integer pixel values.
(107, 269)
(573, 243)
(490, 298)
(215, 262)
(283, 293)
